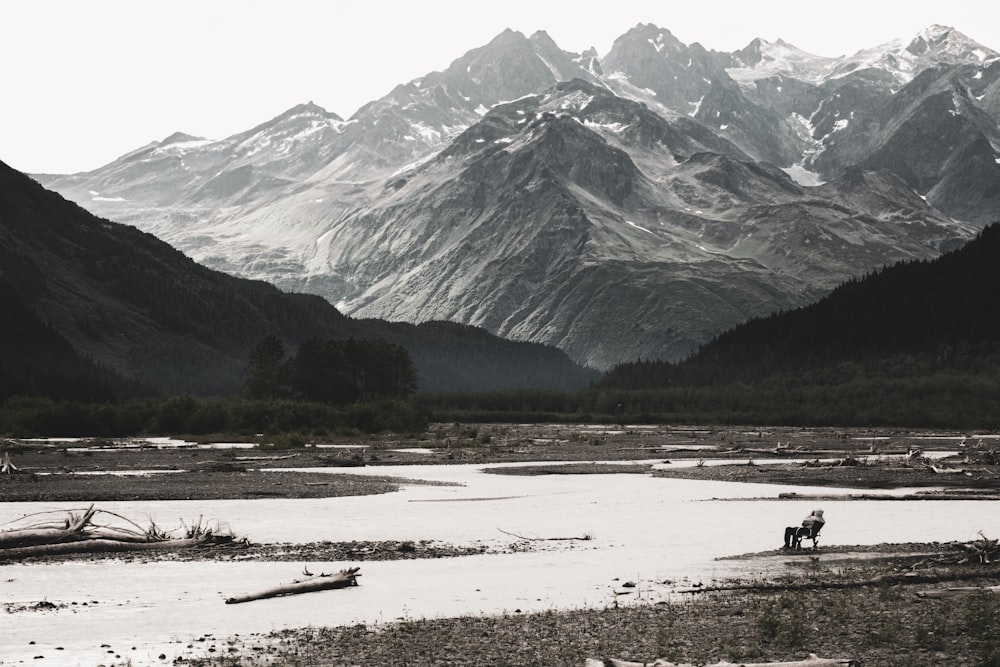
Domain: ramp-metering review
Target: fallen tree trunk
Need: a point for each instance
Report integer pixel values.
(72, 529)
(320, 582)
(97, 546)
(981, 549)
(947, 471)
(811, 661)
(957, 592)
(583, 538)
(266, 458)
(17, 539)
(78, 533)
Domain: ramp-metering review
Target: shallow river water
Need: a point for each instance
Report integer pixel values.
(660, 534)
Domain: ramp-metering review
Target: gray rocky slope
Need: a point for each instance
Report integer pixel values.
(628, 206)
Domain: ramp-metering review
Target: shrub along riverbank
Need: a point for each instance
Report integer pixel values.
(938, 401)
(941, 400)
(38, 417)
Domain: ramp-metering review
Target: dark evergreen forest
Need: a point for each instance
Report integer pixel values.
(914, 319)
(337, 372)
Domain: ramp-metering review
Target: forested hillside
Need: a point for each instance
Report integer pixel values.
(910, 319)
(912, 345)
(87, 300)
(36, 360)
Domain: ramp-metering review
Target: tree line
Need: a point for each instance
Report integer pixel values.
(338, 372)
(913, 319)
(324, 387)
(26, 417)
(847, 396)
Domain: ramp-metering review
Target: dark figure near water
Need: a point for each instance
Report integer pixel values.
(809, 529)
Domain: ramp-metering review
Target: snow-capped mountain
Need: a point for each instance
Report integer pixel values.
(901, 58)
(625, 206)
(576, 211)
(905, 59)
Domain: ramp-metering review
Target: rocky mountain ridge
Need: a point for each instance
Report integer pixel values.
(619, 207)
(96, 308)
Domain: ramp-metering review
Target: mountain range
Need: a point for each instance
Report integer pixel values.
(619, 207)
(95, 309)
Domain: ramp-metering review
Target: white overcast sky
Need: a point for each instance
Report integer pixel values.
(85, 81)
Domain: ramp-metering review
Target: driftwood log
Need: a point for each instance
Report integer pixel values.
(71, 529)
(318, 582)
(957, 591)
(811, 661)
(981, 550)
(78, 532)
(97, 546)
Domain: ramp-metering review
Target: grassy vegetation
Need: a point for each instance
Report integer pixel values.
(37, 417)
(939, 400)
(878, 624)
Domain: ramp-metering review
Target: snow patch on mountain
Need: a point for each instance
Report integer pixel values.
(780, 58)
(552, 68)
(802, 176)
(637, 91)
(577, 101)
(904, 59)
(424, 132)
(697, 106)
(180, 147)
(614, 128)
(640, 227)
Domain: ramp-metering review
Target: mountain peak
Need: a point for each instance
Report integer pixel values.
(178, 138)
(541, 36)
(944, 42)
(761, 59)
(507, 37)
(309, 109)
(660, 38)
(934, 45)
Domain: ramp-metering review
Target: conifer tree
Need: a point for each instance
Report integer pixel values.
(265, 368)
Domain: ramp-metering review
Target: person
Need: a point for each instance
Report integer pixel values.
(810, 526)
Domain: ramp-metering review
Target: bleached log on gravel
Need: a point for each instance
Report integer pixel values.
(947, 471)
(811, 661)
(319, 582)
(71, 529)
(12, 539)
(982, 549)
(266, 458)
(957, 592)
(96, 546)
(77, 533)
